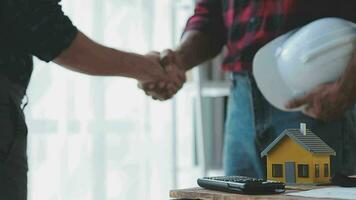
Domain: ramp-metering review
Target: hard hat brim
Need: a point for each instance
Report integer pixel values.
(267, 75)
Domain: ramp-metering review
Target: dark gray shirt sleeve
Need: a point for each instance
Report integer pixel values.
(38, 27)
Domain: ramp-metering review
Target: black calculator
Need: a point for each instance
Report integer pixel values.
(241, 184)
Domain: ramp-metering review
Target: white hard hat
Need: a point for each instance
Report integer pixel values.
(296, 62)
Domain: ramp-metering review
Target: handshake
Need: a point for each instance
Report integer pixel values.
(164, 75)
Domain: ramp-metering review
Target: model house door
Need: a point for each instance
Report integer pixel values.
(290, 172)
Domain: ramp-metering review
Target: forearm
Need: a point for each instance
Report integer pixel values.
(86, 56)
(197, 47)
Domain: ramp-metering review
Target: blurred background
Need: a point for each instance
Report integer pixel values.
(101, 138)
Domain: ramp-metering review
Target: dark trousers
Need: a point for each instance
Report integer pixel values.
(13, 143)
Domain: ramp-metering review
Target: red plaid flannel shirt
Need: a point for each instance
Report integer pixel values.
(244, 26)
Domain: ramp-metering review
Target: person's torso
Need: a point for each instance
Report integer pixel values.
(15, 63)
(250, 24)
(16, 66)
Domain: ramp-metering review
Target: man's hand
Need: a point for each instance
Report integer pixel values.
(326, 102)
(330, 101)
(163, 90)
(152, 72)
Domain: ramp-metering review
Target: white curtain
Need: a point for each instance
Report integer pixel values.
(98, 138)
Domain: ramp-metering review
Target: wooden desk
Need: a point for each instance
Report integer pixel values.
(203, 194)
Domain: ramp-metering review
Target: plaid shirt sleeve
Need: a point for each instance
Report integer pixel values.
(208, 17)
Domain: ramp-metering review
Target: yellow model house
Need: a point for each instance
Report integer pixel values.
(298, 156)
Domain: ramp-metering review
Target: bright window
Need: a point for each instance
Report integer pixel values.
(102, 138)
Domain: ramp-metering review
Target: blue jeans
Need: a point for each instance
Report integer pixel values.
(252, 123)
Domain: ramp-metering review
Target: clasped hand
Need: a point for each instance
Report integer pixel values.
(165, 85)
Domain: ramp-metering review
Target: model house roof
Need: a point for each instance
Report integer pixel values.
(308, 141)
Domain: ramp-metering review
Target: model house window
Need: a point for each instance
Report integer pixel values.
(326, 170)
(317, 170)
(303, 171)
(277, 170)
